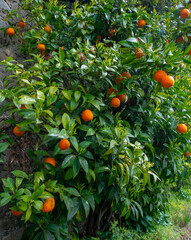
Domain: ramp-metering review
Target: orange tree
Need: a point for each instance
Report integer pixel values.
(104, 94)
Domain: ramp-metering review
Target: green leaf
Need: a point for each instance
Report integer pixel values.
(9, 183)
(77, 95)
(74, 143)
(2, 98)
(92, 173)
(90, 132)
(76, 167)
(67, 161)
(38, 192)
(27, 100)
(18, 182)
(52, 90)
(6, 198)
(86, 206)
(113, 143)
(19, 173)
(3, 146)
(67, 94)
(72, 191)
(102, 169)
(90, 198)
(38, 205)
(28, 213)
(65, 120)
(40, 96)
(83, 163)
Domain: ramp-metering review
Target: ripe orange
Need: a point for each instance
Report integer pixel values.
(48, 205)
(115, 102)
(16, 213)
(41, 47)
(98, 38)
(179, 39)
(167, 81)
(62, 48)
(111, 90)
(111, 32)
(87, 115)
(158, 75)
(122, 97)
(141, 23)
(167, 41)
(182, 128)
(124, 74)
(47, 29)
(23, 107)
(18, 132)
(10, 31)
(187, 154)
(184, 13)
(139, 53)
(64, 144)
(51, 161)
(22, 24)
(187, 126)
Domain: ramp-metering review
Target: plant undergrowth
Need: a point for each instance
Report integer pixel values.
(170, 224)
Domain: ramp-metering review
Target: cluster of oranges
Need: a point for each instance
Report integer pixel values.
(48, 206)
(10, 31)
(116, 101)
(162, 77)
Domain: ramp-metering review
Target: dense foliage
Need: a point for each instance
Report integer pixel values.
(118, 163)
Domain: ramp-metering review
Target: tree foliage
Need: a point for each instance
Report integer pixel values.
(121, 163)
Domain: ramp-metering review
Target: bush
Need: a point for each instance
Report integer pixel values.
(114, 162)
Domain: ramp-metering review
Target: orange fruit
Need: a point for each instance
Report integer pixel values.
(122, 97)
(41, 47)
(167, 81)
(64, 144)
(98, 38)
(115, 102)
(18, 132)
(182, 128)
(48, 205)
(139, 53)
(141, 23)
(16, 213)
(23, 107)
(187, 154)
(51, 161)
(10, 31)
(184, 13)
(22, 24)
(47, 29)
(158, 75)
(62, 48)
(167, 41)
(111, 90)
(87, 115)
(124, 74)
(139, 39)
(179, 39)
(111, 32)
